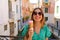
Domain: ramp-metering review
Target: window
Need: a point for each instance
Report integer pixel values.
(11, 25)
(56, 0)
(16, 8)
(57, 24)
(57, 9)
(46, 10)
(46, 1)
(5, 27)
(46, 18)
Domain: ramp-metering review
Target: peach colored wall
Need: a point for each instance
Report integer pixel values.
(52, 6)
(25, 8)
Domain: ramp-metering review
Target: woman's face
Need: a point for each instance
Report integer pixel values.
(37, 15)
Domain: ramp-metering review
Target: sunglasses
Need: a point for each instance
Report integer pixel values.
(35, 13)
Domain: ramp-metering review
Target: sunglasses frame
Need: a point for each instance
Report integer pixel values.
(35, 13)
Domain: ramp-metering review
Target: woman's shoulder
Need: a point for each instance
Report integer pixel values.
(26, 26)
(24, 30)
(46, 26)
(47, 30)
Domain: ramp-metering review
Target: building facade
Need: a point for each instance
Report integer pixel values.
(25, 8)
(9, 17)
(57, 16)
(48, 9)
(4, 25)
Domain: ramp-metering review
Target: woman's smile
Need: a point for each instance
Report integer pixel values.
(37, 17)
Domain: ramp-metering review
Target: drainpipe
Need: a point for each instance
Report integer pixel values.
(20, 14)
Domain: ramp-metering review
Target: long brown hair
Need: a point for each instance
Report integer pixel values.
(42, 20)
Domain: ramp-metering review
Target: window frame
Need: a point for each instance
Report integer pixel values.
(46, 18)
(45, 10)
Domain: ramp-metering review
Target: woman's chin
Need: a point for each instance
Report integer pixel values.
(37, 21)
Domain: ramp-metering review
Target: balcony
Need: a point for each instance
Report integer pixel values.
(19, 37)
(55, 31)
(46, 4)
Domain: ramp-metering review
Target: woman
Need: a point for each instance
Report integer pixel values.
(40, 29)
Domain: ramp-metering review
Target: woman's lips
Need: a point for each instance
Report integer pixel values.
(37, 17)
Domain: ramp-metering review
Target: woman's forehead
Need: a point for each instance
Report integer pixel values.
(37, 10)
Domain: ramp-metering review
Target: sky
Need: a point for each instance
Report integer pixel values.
(33, 1)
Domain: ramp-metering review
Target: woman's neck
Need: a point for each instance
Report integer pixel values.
(37, 24)
(37, 27)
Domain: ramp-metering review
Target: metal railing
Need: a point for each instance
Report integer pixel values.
(55, 31)
(2, 37)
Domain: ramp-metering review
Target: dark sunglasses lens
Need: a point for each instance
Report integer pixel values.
(40, 13)
(35, 13)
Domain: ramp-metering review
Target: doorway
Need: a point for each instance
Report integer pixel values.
(11, 28)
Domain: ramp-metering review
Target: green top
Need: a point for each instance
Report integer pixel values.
(43, 34)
